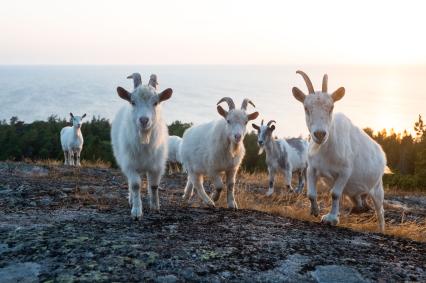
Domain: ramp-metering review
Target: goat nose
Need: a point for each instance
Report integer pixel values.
(260, 142)
(144, 121)
(237, 137)
(320, 135)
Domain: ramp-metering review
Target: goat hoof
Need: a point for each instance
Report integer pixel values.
(211, 204)
(314, 211)
(136, 213)
(269, 193)
(330, 219)
(154, 207)
(359, 210)
(233, 205)
(215, 196)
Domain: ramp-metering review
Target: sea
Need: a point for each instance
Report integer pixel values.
(376, 96)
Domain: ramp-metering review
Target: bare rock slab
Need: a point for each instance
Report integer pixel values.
(337, 274)
(26, 272)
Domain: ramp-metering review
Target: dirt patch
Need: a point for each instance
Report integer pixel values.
(70, 224)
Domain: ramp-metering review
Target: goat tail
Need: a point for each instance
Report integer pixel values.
(388, 170)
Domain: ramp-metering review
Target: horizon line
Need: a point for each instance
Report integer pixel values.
(218, 65)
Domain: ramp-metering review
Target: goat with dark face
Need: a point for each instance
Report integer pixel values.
(282, 155)
(341, 153)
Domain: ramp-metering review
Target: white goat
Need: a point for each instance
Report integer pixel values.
(213, 148)
(139, 140)
(283, 155)
(174, 153)
(72, 141)
(344, 155)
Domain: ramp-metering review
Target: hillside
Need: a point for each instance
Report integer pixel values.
(65, 224)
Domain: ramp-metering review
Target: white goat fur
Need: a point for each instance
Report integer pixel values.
(283, 155)
(214, 148)
(343, 154)
(72, 141)
(174, 152)
(141, 148)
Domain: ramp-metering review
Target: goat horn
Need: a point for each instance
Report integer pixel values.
(137, 80)
(153, 81)
(246, 101)
(324, 83)
(229, 101)
(307, 81)
(270, 122)
(261, 123)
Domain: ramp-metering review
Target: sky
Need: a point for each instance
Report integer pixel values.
(212, 32)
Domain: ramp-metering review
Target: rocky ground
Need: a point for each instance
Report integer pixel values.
(63, 224)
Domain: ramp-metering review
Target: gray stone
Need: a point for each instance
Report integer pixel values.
(225, 274)
(336, 274)
(188, 274)
(45, 201)
(68, 190)
(3, 248)
(287, 271)
(36, 171)
(20, 272)
(166, 279)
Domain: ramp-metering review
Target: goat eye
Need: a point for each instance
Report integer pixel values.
(306, 110)
(133, 103)
(156, 103)
(229, 122)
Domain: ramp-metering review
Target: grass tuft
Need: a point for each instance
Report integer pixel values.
(250, 194)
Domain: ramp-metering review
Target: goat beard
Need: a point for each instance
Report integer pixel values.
(144, 136)
(260, 150)
(235, 148)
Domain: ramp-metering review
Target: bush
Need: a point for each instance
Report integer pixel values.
(41, 139)
(406, 155)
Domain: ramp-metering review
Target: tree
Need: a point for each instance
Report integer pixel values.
(420, 129)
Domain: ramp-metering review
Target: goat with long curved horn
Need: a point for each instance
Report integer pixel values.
(246, 101)
(324, 83)
(222, 111)
(137, 80)
(153, 81)
(307, 81)
(228, 100)
(270, 122)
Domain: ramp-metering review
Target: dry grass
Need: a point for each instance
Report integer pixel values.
(250, 194)
(84, 163)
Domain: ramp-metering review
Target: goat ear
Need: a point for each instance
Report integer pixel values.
(272, 128)
(222, 111)
(253, 115)
(255, 126)
(124, 94)
(72, 116)
(84, 115)
(166, 94)
(338, 94)
(298, 94)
